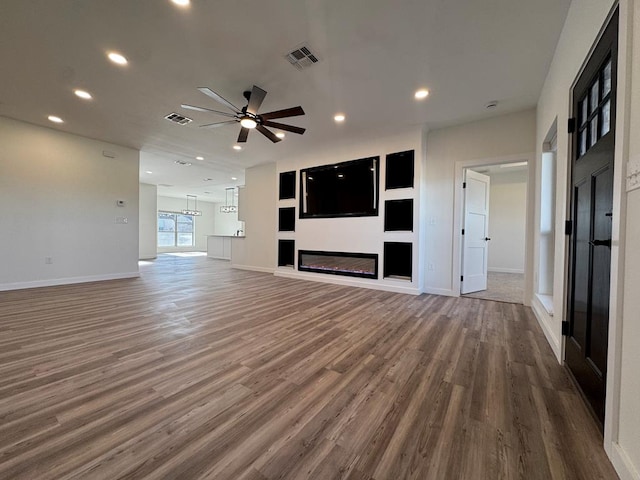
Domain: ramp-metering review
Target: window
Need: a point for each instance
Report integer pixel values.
(175, 230)
(595, 110)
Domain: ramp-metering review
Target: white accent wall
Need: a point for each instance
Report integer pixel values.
(507, 221)
(58, 195)
(226, 223)
(358, 234)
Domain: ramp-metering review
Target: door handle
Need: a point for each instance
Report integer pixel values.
(486, 239)
(600, 243)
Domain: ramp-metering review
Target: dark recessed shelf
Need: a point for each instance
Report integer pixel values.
(287, 219)
(398, 260)
(286, 253)
(398, 215)
(399, 170)
(287, 185)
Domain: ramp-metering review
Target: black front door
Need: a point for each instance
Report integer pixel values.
(594, 100)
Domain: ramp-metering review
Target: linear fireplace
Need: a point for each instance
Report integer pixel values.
(339, 263)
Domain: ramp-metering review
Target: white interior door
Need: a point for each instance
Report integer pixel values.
(475, 251)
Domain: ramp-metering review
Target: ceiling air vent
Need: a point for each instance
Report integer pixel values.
(183, 163)
(179, 119)
(302, 57)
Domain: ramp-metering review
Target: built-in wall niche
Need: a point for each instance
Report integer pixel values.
(287, 219)
(399, 170)
(398, 215)
(287, 185)
(398, 259)
(286, 253)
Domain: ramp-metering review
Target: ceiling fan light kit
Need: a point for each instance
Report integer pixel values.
(248, 116)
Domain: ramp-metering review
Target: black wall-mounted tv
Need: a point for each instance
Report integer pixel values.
(347, 189)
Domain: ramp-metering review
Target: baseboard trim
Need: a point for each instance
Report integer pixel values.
(505, 270)
(385, 285)
(541, 315)
(252, 268)
(441, 291)
(66, 281)
(622, 463)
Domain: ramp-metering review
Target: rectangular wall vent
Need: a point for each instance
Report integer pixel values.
(179, 119)
(302, 57)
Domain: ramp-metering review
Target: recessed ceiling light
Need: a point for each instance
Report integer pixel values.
(181, 3)
(83, 94)
(339, 117)
(421, 94)
(237, 147)
(148, 171)
(54, 119)
(280, 135)
(117, 58)
(199, 158)
(233, 178)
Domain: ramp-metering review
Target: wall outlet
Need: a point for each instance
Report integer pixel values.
(122, 220)
(430, 267)
(48, 260)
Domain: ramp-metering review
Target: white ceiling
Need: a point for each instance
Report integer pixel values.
(374, 55)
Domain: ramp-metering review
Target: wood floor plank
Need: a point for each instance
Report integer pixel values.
(199, 371)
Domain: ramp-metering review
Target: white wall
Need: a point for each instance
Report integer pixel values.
(204, 224)
(148, 221)
(58, 198)
(226, 223)
(584, 21)
(359, 234)
(629, 422)
(507, 221)
(497, 138)
(258, 250)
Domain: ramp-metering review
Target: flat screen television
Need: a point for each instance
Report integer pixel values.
(347, 189)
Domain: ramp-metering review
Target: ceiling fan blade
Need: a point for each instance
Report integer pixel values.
(287, 112)
(267, 133)
(255, 100)
(218, 124)
(282, 126)
(244, 133)
(202, 109)
(210, 93)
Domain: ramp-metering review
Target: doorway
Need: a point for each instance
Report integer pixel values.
(594, 100)
(505, 235)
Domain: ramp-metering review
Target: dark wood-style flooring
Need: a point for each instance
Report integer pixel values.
(196, 370)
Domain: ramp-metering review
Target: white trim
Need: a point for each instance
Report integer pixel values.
(505, 270)
(441, 291)
(622, 463)
(621, 154)
(350, 282)
(460, 167)
(66, 281)
(544, 320)
(546, 301)
(252, 268)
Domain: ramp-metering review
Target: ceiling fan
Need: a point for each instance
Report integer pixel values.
(248, 116)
